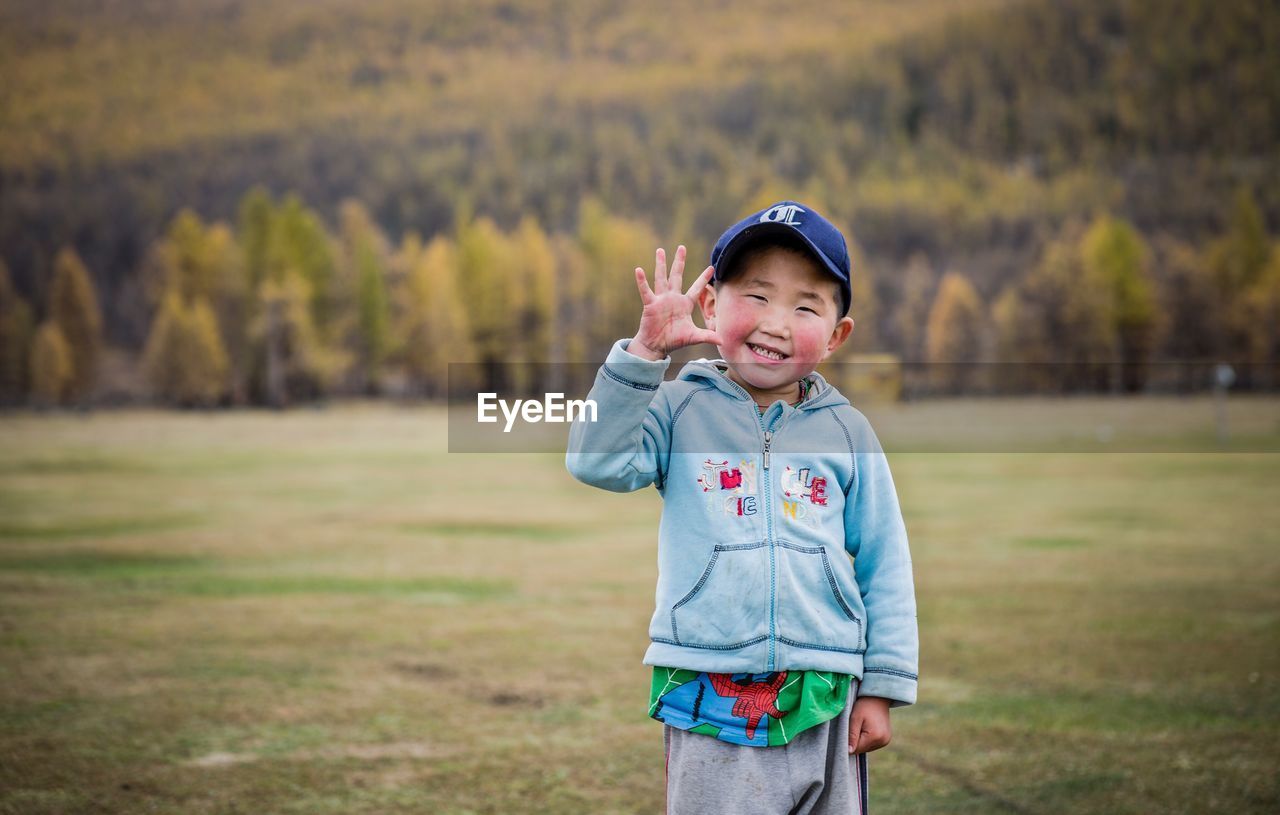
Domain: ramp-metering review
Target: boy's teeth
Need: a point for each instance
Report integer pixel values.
(765, 352)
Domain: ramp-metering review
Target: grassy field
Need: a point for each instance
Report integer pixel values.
(326, 612)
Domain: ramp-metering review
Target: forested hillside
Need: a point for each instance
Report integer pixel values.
(963, 139)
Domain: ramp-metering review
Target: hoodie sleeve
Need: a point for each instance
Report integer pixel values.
(626, 447)
(877, 538)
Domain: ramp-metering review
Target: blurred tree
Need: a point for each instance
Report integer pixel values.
(863, 304)
(1235, 261)
(298, 243)
(489, 294)
(534, 276)
(204, 264)
(1262, 315)
(254, 230)
(612, 247)
(912, 313)
(16, 330)
(374, 319)
(1190, 301)
(73, 305)
(436, 331)
(1022, 351)
(1116, 262)
(52, 372)
(184, 358)
(954, 334)
(1053, 317)
(569, 333)
(296, 364)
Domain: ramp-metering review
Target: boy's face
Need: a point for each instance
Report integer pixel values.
(777, 318)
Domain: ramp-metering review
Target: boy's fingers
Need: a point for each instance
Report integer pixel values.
(855, 732)
(701, 282)
(676, 279)
(706, 335)
(660, 271)
(642, 283)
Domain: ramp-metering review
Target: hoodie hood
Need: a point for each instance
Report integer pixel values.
(713, 372)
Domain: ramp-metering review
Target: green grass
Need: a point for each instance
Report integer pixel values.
(324, 612)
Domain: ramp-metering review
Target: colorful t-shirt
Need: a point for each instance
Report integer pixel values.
(758, 710)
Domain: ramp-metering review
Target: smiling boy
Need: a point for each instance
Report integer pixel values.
(785, 625)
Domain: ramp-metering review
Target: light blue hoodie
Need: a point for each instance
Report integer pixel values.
(765, 519)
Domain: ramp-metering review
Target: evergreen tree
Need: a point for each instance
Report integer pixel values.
(52, 371)
(73, 305)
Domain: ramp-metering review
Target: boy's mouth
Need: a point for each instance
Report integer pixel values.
(772, 354)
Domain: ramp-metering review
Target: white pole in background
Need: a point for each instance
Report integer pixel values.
(1223, 377)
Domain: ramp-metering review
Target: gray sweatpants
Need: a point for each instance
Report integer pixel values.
(813, 774)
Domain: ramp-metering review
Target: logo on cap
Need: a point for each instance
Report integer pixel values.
(782, 214)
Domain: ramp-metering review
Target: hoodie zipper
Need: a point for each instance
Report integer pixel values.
(767, 436)
(768, 520)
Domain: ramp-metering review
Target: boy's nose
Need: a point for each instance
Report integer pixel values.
(775, 325)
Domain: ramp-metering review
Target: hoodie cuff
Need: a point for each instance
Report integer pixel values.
(628, 369)
(896, 686)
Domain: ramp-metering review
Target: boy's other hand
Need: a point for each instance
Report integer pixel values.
(869, 724)
(667, 321)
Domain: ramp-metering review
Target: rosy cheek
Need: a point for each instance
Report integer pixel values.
(809, 343)
(735, 326)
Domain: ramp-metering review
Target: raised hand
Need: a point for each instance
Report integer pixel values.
(667, 321)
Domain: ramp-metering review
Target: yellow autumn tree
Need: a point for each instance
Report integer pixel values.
(954, 334)
(52, 372)
(296, 363)
(1116, 261)
(491, 293)
(435, 326)
(184, 357)
(73, 305)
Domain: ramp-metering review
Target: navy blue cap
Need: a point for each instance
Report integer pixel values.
(793, 219)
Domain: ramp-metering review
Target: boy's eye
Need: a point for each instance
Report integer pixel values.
(806, 308)
(757, 297)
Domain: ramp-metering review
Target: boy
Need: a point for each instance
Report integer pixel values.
(774, 665)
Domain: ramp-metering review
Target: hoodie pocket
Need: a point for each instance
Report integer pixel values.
(813, 611)
(728, 606)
